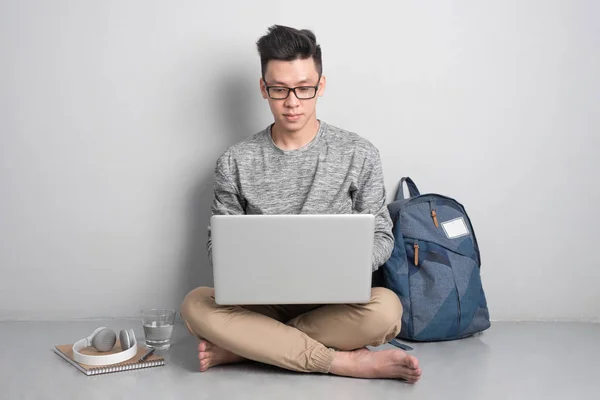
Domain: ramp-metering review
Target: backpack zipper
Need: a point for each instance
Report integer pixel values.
(416, 253)
(433, 214)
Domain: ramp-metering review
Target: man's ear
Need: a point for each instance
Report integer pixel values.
(322, 85)
(263, 88)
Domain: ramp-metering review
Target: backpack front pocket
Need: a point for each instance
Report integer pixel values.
(434, 296)
(446, 295)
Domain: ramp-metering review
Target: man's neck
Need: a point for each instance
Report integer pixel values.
(293, 140)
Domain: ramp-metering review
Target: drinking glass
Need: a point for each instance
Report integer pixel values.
(158, 327)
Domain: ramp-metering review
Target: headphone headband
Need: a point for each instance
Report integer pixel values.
(107, 359)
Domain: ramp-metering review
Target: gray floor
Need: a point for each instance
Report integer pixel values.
(528, 360)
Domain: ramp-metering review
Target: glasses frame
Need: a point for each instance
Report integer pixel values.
(290, 90)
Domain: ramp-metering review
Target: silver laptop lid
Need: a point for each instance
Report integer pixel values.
(292, 259)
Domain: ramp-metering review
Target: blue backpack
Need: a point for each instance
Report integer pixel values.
(434, 268)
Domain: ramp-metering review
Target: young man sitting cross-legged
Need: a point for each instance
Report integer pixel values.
(301, 165)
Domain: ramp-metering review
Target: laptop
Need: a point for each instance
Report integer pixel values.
(292, 259)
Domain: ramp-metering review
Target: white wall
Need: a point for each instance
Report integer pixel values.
(113, 113)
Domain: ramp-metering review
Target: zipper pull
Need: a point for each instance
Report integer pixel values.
(416, 253)
(433, 214)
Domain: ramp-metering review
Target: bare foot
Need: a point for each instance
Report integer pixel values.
(363, 363)
(211, 355)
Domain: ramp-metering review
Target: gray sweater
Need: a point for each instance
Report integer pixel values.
(338, 172)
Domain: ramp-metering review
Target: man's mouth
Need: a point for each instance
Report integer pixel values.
(292, 117)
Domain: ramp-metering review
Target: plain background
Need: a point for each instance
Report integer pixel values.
(113, 113)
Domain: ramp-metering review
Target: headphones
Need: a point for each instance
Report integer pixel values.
(104, 339)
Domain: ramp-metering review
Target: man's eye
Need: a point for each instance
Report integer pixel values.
(278, 90)
(305, 89)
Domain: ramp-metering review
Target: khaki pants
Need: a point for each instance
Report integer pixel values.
(295, 337)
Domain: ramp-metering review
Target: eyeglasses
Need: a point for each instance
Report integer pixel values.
(301, 92)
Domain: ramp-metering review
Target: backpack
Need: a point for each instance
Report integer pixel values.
(434, 268)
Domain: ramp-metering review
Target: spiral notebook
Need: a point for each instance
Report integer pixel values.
(66, 352)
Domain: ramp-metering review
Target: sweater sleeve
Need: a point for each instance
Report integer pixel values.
(370, 197)
(226, 198)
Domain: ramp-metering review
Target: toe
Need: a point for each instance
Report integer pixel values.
(203, 345)
(412, 378)
(412, 362)
(204, 365)
(203, 355)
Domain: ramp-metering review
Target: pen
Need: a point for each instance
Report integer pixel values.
(143, 358)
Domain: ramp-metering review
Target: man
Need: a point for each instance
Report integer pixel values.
(301, 165)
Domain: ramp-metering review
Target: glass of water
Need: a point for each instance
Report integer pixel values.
(158, 327)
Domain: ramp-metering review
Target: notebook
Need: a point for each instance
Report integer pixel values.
(66, 352)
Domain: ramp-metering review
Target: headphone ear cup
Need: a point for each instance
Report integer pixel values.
(132, 337)
(104, 340)
(124, 339)
(127, 338)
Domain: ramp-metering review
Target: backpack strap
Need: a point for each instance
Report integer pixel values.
(403, 346)
(412, 188)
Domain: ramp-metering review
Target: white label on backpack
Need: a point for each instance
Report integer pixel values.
(455, 228)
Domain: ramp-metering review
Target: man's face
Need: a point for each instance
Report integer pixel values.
(292, 113)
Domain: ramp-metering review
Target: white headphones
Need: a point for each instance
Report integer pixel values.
(104, 339)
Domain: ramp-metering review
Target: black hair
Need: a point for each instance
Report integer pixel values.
(287, 44)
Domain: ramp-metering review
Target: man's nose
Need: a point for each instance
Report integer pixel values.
(292, 100)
